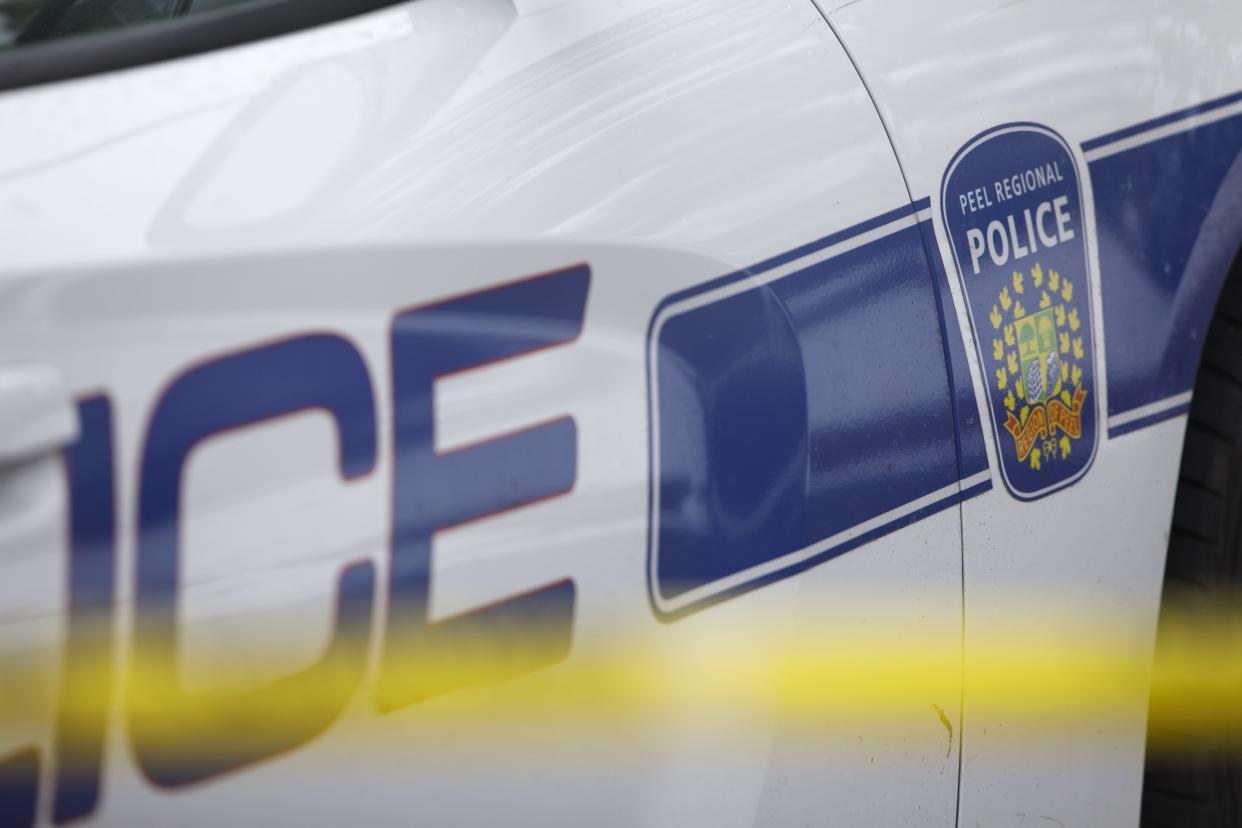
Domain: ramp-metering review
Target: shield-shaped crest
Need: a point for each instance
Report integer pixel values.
(1037, 354)
(1011, 204)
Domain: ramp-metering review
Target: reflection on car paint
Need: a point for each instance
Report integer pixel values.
(799, 409)
(813, 384)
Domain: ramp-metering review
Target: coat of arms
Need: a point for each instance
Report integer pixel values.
(1012, 206)
(1037, 360)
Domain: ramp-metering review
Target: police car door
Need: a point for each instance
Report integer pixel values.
(342, 359)
(1082, 161)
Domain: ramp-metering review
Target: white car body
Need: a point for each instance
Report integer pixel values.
(312, 188)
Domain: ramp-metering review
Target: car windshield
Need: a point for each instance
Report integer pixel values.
(25, 22)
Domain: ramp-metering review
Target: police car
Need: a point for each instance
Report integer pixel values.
(367, 368)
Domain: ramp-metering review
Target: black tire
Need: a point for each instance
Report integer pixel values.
(1204, 564)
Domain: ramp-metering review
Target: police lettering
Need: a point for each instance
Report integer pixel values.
(432, 490)
(1020, 235)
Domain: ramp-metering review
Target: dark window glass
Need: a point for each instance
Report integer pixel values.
(25, 22)
(50, 40)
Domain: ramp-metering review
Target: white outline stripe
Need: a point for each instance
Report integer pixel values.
(975, 479)
(786, 561)
(777, 273)
(1158, 407)
(1164, 131)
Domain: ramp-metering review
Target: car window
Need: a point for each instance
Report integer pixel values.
(25, 22)
(50, 40)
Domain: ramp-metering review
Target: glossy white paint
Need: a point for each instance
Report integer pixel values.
(323, 180)
(1086, 69)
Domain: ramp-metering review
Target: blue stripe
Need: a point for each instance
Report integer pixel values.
(791, 255)
(1163, 120)
(1151, 420)
(798, 409)
(976, 490)
(1168, 215)
(972, 456)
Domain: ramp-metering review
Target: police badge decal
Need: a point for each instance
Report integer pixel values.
(1012, 206)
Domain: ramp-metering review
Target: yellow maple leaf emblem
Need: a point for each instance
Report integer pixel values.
(1018, 310)
(995, 317)
(1067, 290)
(1054, 281)
(998, 350)
(1017, 282)
(1060, 315)
(1076, 376)
(1065, 447)
(1009, 401)
(1013, 362)
(1035, 458)
(1078, 347)
(1065, 397)
(1037, 275)
(1045, 301)
(1010, 339)
(1074, 322)
(1005, 299)
(1065, 343)
(1002, 379)
(1026, 412)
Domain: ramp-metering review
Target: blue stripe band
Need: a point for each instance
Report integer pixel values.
(1163, 120)
(1145, 422)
